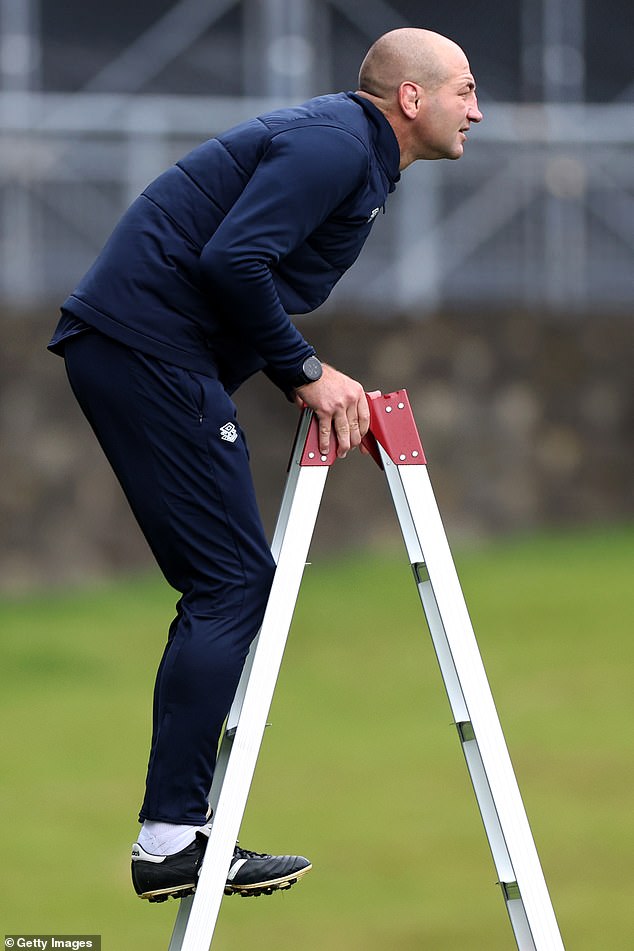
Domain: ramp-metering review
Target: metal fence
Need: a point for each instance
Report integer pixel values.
(538, 212)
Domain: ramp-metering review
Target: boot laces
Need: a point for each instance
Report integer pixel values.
(247, 854)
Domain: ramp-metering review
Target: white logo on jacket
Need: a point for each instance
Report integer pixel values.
(228, 432)
(373, 214)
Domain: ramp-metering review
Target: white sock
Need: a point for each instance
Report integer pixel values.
(165, 838)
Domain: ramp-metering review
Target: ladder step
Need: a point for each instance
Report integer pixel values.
(420, 572)
(466, 731)
(511, 891)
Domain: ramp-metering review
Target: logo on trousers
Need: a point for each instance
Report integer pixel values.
(228, 432)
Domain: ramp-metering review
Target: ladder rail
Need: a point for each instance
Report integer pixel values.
(277, 543)
(484, 746)
(197, 917)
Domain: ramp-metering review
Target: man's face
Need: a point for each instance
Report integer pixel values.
(447, 112)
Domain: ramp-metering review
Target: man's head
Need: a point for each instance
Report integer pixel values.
(422, 82)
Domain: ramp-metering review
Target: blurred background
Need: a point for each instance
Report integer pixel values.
(498, 291)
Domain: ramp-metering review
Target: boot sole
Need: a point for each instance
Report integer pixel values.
(162, 894)
(266, 888)
(247, 891)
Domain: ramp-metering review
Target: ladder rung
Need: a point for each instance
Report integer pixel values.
(466, 731)
(511, 891)
(230, 732)
(420, 572)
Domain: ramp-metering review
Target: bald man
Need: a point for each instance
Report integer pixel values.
(190, 296)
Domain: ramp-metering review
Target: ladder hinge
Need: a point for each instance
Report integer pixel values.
(511, 891)
(465, 730)
(393, 427)
(420, 572)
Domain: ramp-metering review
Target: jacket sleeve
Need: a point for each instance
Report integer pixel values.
(301, 179)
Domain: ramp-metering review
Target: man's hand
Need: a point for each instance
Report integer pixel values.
(341, 408)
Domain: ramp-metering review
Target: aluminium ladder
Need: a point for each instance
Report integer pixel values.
(395, 444)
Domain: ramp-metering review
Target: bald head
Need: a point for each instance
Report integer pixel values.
(422, 83)
(421, 56)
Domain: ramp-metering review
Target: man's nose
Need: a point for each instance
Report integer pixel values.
(474, 113)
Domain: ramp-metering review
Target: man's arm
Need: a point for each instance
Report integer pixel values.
(303, 177)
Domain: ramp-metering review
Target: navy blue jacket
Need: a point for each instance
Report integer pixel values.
(251, 226)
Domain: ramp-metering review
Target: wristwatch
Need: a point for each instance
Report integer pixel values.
(311, 372)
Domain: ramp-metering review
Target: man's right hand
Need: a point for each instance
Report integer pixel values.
(341, 408)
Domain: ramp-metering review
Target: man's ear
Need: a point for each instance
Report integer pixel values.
(409, 97)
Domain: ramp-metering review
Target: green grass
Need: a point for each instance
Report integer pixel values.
(361, 769)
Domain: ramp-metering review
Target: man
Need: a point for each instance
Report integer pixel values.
(189, 297)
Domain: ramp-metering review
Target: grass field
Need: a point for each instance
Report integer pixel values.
(361, 770)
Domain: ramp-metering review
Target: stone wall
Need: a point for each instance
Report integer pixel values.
(525, 419)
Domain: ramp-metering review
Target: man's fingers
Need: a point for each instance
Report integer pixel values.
(358, 421)
(363, 415)
(324, 436)
(342, 431)
(349, 431)
(341, 407)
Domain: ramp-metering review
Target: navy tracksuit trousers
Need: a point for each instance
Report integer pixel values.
(172, 438)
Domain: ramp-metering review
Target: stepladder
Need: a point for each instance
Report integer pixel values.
(395, 445)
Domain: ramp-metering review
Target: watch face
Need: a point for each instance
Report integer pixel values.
(312, 369)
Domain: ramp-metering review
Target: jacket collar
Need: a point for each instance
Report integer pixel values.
(388, 151)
